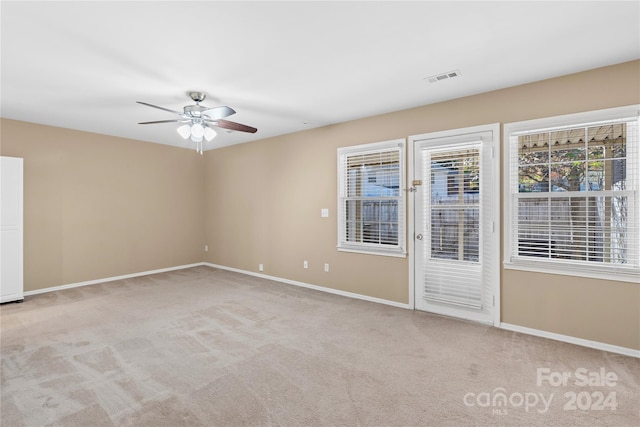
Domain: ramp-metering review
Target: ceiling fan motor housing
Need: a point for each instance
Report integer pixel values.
(198, 96)
(194, 110)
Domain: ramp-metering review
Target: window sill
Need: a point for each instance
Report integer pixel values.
(374, 251)
(605, 273)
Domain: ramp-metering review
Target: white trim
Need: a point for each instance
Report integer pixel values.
(411, 231)
(372, 251)
(496, 238)
(310, 286)
(495, 127)
(110, 279)
(572, 340)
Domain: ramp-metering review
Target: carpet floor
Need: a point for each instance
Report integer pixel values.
(207, 347)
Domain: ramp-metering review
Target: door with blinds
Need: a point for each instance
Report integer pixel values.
(455, 190)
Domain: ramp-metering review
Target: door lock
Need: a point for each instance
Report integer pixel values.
(419, 236)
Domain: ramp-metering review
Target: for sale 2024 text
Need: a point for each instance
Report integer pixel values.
(597, 400)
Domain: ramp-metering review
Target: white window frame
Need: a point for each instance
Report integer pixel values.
(597, 270)
(398, 250)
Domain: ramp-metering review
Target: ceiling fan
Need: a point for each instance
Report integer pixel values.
(199, 120)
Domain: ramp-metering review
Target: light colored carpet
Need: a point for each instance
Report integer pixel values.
(206, 347)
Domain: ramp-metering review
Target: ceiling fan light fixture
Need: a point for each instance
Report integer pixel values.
(184, 131)
(209, 133)
(197, 130)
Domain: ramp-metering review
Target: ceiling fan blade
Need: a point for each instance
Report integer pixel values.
(218, 112)
(226, 124)
(164, 121)
(161, 108)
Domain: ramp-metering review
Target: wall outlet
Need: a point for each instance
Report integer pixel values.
(305, 264)
(206, 248)
(260, 267)
(324, 213)
(326, 268)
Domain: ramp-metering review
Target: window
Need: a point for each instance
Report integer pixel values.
(572, 194)
(371, 200)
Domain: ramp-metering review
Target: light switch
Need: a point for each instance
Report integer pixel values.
(324, 213)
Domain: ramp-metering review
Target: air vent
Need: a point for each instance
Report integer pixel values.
(443, 76)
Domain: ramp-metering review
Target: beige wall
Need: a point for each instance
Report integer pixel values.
(263, 207)
(598, 310)
(263, 202)
(97, 206)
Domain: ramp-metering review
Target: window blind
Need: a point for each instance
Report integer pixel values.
(453, 270)
(371, 200)
(574, 194)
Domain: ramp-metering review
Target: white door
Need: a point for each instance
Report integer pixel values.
(456, 247)
(11, 186)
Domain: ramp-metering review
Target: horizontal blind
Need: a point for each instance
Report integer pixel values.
(453, 272)
(574, 194)
(371, 201)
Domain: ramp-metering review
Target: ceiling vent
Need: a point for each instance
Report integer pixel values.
(443, 76)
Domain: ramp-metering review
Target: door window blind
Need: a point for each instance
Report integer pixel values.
(453, 270)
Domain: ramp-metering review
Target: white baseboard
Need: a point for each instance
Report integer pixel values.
(572, 340)
(109, 279)
(310, 286)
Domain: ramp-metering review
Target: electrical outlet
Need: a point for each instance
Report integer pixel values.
(326, 268)
(305, 264)
(261, 267)
(206, 248)
(324, 213)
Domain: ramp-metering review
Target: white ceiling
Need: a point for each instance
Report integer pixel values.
(286, 66)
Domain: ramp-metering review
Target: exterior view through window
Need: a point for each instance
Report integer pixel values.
(455, 205)
(371, 199)
(574, 193)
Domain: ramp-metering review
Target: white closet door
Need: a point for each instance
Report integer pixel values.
(11, 252)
